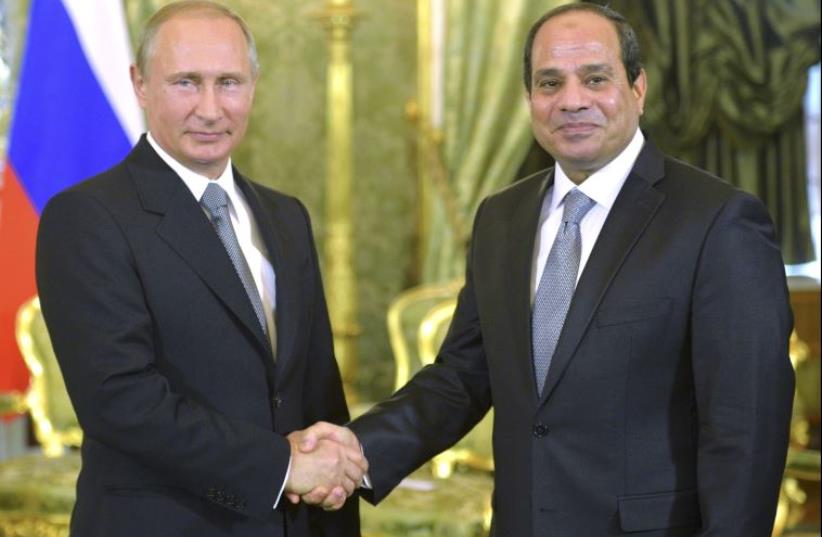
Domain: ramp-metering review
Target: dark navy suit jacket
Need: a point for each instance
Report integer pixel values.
(182, 406)
(666, 408)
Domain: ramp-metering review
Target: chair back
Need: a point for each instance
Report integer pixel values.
(418, 320)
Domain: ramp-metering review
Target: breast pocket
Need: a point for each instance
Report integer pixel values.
(631, 311)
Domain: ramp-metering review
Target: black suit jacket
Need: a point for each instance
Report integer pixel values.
(182, 406)
(667, 405)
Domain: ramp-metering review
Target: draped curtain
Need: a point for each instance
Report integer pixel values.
(486, 132)
(726, 85)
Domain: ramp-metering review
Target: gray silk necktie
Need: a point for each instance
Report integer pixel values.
(557, 284)
(215, 201)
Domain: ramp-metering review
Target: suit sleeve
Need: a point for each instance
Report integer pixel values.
(103, 335)
(741, 322)
(436, 408)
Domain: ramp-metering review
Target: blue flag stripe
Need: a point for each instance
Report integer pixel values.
(64, 128)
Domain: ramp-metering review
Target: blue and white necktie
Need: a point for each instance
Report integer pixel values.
(557, 284)
(215, 201)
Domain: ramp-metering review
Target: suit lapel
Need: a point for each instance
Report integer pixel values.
(633, 210)
(186, 229)
(519, 257)
(271, 230)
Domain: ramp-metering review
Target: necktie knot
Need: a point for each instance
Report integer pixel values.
(577, 205)
(214, 198)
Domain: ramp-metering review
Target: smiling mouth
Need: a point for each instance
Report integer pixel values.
(205, 136)
(577, 128)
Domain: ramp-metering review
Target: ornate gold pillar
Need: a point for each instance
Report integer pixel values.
(338, 17)
(418, 112)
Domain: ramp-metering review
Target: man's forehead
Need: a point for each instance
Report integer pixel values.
(578, 29)
(568, 37)
(575, 48)
(185, 39)
(184, 22)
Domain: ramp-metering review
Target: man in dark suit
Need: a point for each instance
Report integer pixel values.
(651, 392)
(186, 309)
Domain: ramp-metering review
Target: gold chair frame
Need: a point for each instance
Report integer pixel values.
(37, 399)
(37, 490)
(428, 339)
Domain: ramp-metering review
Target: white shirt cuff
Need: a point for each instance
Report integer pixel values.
(282, 488)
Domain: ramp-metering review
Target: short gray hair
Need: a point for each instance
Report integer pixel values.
(145, 47)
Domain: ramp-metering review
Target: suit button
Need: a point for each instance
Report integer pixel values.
(540, 430)
(276, 401)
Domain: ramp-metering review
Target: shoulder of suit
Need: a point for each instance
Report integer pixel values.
(278, 198)
(531, 185)
(687, 180)
(285, 205)
(110, 184)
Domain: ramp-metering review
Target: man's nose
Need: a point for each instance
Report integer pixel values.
(208, 107)
(573, 96)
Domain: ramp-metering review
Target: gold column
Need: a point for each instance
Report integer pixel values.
(338, 17)
(420, 112)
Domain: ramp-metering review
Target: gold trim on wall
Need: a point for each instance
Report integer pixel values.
(338, 17)
(421, 110)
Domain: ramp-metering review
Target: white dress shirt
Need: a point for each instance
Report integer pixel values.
(245, 227)
(602, 186)
(248, 236)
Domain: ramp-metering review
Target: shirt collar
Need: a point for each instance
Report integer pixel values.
(195, 182)
(603, 185)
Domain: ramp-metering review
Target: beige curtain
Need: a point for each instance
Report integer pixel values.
(486, 132)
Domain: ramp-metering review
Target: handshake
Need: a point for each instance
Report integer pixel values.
(327, 465)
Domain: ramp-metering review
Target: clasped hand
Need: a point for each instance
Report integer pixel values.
(327, 465)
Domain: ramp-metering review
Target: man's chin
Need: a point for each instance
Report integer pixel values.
(208, 153)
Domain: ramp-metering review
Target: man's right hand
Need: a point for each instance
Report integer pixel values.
(327, 465)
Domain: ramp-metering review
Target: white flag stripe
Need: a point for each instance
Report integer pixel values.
(102, 31)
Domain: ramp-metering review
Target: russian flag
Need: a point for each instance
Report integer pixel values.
(75, 115)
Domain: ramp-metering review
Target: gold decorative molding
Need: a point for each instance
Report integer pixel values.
(338, 17)
(419, 114)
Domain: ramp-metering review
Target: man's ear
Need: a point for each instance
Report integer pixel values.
(639, 88)
(138, 82)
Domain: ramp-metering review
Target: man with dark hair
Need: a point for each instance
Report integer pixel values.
(186, 310)
(625, 314)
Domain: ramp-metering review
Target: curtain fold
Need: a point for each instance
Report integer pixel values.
(726, 81)
(486, 131)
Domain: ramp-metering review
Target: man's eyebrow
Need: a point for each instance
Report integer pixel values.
(596, 68)
(239, 75)
(193, 75)
(548, 71)
(196, 75)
